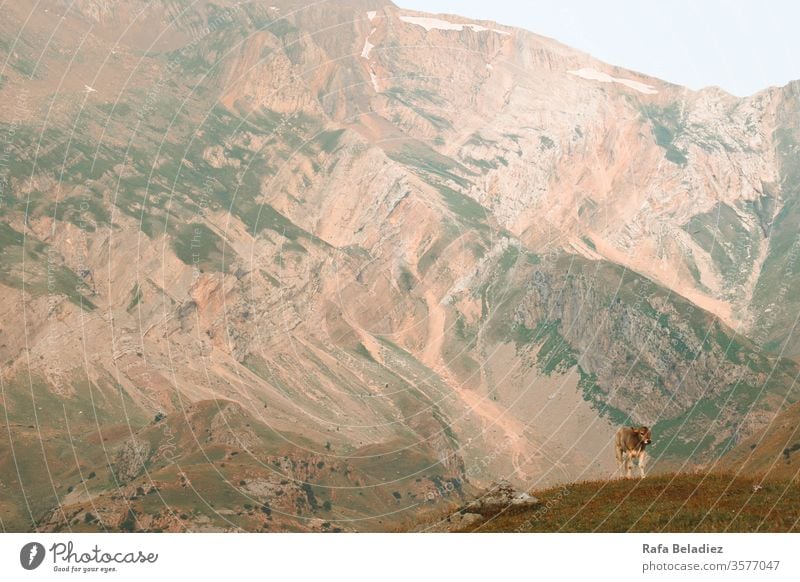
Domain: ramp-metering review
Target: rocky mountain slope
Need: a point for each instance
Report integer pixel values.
(772, 452)
(381, 256)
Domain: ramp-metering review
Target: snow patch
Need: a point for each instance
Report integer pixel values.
(368, 46)
(438, 24)
(374, 79)
(595, 75)
(371, 15)
(479, 28)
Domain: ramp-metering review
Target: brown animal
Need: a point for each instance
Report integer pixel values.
(630, 444)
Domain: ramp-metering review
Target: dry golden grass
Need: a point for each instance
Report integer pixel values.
(668, 503)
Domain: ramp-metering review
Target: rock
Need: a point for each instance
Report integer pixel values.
(468, 519)
(501, 495)
(131, 458)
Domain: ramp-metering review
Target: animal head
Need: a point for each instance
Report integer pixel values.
(644, 434)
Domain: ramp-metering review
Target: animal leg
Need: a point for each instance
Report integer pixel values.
(642, 462)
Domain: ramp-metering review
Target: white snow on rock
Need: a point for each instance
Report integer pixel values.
(595, 75)
(368, 46)
(431, 23)
(479, 28)
(438, 24)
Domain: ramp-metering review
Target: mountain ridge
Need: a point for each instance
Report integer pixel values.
(400, 237)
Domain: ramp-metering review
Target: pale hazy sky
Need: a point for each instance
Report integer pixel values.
(742, 46)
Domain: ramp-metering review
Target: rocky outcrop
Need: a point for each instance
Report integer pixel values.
(131, 458)
(500, 496)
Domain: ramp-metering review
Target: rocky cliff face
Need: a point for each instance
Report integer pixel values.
(424, 252)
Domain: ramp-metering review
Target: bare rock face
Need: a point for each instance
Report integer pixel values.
(131, 458)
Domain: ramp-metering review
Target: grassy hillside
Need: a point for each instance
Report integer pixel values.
(668, 503)
(644, 354)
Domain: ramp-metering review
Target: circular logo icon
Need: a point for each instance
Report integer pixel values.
(31, 555)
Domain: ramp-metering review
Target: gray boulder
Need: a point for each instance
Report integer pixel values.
(501, 495)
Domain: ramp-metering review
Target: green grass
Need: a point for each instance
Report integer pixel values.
(464, 207)
(281, 28)
(84, 212)
(136, 296)
(362, 351)
(260, 217)
(555, 354)
(521, 334)
(432, 254)
(732, 246)
(787, 140)
(66, 282)
(406, 280)
(9, 237)
(509, 259)
(40, 278)
(329, 140)
(429, 164)
(485, 165)
(778, 286)
(667, 127)
(594, 395)
(676, 332)
(410, 100)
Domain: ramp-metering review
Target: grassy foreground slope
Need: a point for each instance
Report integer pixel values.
(665, 503)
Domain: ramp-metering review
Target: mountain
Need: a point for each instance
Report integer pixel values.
(281, 265)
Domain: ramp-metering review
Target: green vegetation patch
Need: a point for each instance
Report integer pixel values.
(555, 353)
(9, 237)
(196, 244)
(329, 140)
(667, 126)
(429, 164)
(595, 396)
(136, 296)
(362, 351)
(732, 246)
